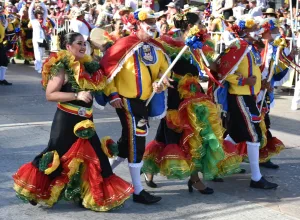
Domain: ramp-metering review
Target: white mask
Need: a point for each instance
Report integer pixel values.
(145, 26)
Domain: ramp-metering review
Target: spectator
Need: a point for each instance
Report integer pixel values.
(270, 13)
(238, 9)
(254, 11)
(227, 9)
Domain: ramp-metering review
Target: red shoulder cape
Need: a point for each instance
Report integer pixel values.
(115, 55)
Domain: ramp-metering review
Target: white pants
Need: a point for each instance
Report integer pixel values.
(38, 55)
(296, 98)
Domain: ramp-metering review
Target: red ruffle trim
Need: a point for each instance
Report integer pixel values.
(274, 146)
(104, 191)
(153, 151)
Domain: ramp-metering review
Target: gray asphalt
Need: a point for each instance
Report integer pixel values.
(25, 120)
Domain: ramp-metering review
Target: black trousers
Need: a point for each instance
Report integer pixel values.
(244, 118)
(134, 121)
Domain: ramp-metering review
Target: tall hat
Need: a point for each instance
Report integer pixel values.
(269, 24)
(144, 14)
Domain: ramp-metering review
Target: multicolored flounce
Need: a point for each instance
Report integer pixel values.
(269, 146)
(80, 180)
(84, 74)
(201, 148)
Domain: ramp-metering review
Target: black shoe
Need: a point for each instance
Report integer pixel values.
(206, 191)
(80, 203)
(5, 83)
(150, 183)
(269, 165)
(263, 184)
(13, 61)
(242, 171)
(145, 198)
(26, 62)
(32, 202)
(218, 180)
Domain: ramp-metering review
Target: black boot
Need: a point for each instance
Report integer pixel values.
(269, 165)
(145, 198)
(263, 184)
(13, 61)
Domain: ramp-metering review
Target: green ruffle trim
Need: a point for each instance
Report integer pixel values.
(45, 161)
(150, 166)
(64, 64)
(72, 191)
(175, 169)
(211, 151)
(85, 133)
(114, 149)
(173, 52)
(91, 67)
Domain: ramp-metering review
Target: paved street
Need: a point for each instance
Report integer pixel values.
(25, 120)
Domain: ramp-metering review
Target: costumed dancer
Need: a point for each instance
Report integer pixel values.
(244, 84)
(38, 18)
(133, 66)
(25, 46)
(190, 138)
(12, 36)
(3, 56)
(270, 34)
(74, 166)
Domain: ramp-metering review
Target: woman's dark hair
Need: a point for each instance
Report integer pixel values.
(68, 39)
(38, 11)
(182, 21)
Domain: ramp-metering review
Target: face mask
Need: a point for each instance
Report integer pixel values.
(254, 35)
(275, 36)
(147, 28)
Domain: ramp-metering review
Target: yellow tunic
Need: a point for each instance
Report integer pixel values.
(246, 68)
(2, 33)
(134, 79)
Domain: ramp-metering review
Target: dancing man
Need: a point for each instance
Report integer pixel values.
(132, 66)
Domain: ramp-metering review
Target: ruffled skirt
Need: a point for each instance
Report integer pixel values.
(79, 173)
(200, 147)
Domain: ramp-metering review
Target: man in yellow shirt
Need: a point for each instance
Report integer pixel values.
(244, 115)
(133, 65)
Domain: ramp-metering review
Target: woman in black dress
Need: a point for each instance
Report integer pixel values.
(74, 166)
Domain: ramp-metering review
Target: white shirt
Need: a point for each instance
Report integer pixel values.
(80, 27)
(238, 11)
(261, 3)
(255, 12)
(228, 38)
(38, 34)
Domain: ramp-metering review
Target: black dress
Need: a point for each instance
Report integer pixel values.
(82, 173)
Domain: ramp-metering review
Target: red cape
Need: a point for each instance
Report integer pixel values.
(114, 57)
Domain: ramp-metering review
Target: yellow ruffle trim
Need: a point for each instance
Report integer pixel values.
(77, 67)
(105, 147)
(85, 124)
(55, 163)
(173, 118)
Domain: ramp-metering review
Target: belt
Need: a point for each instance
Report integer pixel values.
(75, 109)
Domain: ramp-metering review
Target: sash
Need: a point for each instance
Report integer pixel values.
(86, 23)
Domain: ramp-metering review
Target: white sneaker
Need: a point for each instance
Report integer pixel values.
(294, 106)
